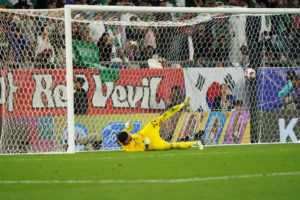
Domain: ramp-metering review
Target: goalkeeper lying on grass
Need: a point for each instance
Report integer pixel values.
(148, 138)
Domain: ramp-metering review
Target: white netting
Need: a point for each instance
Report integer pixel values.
(134, 66)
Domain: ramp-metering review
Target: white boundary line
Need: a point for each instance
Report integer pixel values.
(212, 178)
(115, 157)
(81, 152)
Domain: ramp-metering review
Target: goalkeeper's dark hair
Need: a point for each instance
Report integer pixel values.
(122, 136)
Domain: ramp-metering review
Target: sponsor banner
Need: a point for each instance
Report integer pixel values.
(28, 134)
(80, 131)
(280, 126)
(190, 124)
(270, 82)
(49, 134)
(237, 129)
(203, 84)
(214, 127)
(43, 92)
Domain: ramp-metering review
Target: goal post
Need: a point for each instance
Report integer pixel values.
(82, 72)
(70, 89)
(255, 127)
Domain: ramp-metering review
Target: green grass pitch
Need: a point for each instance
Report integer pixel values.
(228, 172)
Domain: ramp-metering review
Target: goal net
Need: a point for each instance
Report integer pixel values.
(133, 66)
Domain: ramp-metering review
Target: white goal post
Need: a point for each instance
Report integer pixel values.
(68, 20)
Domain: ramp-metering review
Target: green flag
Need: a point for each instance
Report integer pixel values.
(87, 55)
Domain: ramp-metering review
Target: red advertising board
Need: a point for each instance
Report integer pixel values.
(44, 92)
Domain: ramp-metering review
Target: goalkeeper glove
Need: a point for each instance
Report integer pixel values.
(128, 125)
(146, 141)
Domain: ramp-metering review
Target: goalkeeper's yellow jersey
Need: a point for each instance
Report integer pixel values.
(136, 143)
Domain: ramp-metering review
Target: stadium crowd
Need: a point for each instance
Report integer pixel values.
(28, 41)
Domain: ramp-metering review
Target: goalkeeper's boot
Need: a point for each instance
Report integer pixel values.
(187, 100)
(199, 145)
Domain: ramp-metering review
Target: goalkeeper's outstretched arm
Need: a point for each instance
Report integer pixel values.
(128, 127)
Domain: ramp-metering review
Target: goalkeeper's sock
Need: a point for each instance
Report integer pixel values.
(182, 145)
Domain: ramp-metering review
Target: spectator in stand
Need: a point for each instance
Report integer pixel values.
(77, 2)
(6, 4)
(198, 3)
(232, 3)
(149, 15)
(161, 16)
(44, 50)
(22, 5)
(294, 42)
(187, 45)
(19, 52)
(5, 48)
(268, 58)
(96, 27)
(52, 4)
(173, 3)
(58, 3)
(105, 47)
(144, 54)
(28, 27)
(220, 29)
(114, 32)
(126, 18)
(80, 97)
(75, 32)
(166, 39)
(245, 58)
(122, 56)
(219, 4)
(237, 28)
(266, 43)
(218, 65)
(292, 100)
(221, 53)
(6, 21)
(132, 51)
(84, 2)
(150, 34)
(203, 45)
(58, 41)
(69, 2)
(85, 35)
(224, 101)
(133, 32)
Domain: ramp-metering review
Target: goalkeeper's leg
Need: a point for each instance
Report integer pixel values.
(172, 111)
(152, 129)
(182, 145)
(160, 144)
